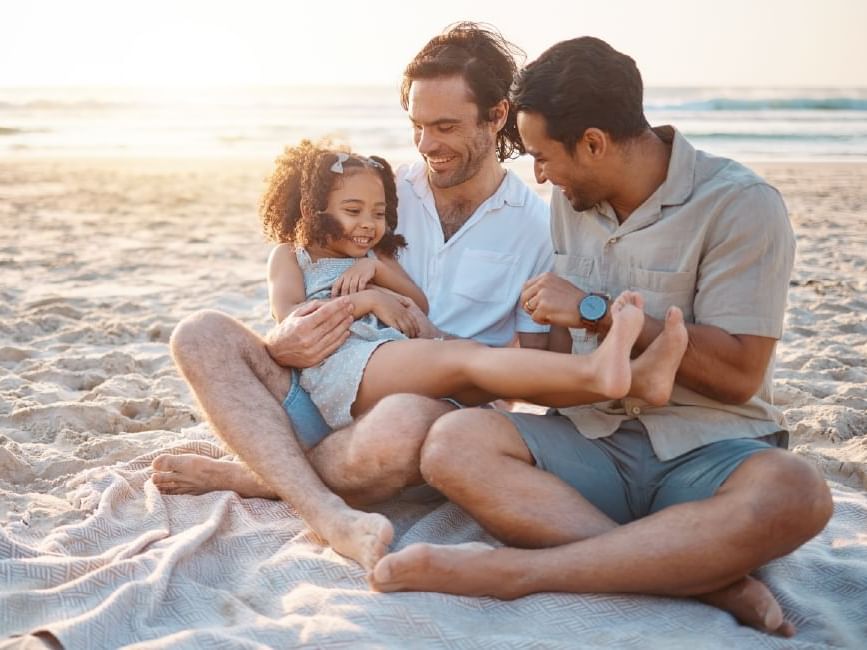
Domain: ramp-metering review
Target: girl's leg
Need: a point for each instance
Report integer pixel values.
(445, 368)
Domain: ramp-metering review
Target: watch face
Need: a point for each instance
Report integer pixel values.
(593, 308)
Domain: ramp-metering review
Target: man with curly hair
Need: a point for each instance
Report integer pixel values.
(475, 235)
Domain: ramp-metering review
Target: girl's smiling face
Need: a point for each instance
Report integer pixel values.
(357, 202)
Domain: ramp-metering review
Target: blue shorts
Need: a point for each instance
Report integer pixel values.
(307, 422)
(309, 425)
(621, 475)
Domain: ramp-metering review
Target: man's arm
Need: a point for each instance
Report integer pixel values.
(726, 367)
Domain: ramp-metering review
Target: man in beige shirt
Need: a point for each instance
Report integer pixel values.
(684, 499)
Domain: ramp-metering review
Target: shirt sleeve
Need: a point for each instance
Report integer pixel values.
(743, 277)
(543, 263)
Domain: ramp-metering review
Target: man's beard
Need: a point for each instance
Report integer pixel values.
(579, 202)
(469, 166)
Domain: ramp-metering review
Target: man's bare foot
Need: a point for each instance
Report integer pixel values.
(360, 536)
(463, 569)
(611, 359)
(752, 604)
(194, 474)
(653, 372)
(476, 569)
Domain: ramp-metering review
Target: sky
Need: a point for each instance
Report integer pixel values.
(182, 43)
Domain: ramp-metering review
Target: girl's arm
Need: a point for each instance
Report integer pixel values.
(385, 273)
(286, 292)
(285, 281)
(390, 274)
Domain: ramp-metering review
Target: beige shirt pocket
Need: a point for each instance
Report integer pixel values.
(580, 271)
(662, 289)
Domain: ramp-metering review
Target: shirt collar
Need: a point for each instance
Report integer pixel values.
(675, 189)
(678, 184)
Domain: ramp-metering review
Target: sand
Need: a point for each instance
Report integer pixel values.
(100, 259)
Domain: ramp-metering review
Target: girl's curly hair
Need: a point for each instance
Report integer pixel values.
(293, 205)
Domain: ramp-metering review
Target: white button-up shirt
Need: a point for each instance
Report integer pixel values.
(473, 281)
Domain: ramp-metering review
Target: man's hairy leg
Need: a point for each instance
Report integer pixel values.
(241, 388)
(769, 506)
(379, 455)
(368, 462)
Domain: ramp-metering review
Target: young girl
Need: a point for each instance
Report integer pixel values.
(333, 215)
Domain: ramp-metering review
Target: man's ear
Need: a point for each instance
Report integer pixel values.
(594, 143)
(498, 114)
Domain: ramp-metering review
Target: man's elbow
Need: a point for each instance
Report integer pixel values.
(741, 390)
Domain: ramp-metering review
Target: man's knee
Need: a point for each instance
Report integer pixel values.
(459, 443)
(196, 334)
(387, 441)
(790, 496)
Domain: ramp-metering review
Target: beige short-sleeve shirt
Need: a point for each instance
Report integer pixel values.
(716, 241)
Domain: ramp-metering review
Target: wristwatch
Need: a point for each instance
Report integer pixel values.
(593, 308)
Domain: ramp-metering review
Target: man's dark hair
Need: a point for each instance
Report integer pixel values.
(579, 84)
(485, 60)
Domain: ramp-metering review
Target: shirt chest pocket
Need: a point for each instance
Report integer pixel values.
(484, 276)
(662, 289)
(578, 270)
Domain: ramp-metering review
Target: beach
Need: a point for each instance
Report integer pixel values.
(101, 258)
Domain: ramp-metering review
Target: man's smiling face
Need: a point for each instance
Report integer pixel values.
(553, 162)
(447, 131)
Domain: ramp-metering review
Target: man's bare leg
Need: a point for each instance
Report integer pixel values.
(241, 390)
(380, 454)
(368, 462)
(770, 505)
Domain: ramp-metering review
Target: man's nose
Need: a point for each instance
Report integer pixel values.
(425, 141)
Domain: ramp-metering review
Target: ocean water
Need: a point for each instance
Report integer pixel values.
(757, 124)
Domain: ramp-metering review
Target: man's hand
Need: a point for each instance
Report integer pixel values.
(550, 299)
(310, 333)
(355, 278)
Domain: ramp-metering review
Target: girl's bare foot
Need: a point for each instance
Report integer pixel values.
(194, 474)
(653, 372)
(611, 359)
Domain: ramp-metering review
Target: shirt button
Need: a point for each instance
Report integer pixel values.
(636, 410)
(613, 240)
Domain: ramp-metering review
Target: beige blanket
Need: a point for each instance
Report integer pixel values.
(220, 571)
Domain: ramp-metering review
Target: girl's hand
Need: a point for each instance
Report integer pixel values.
(425, 329)
(355, 278)
(395, 313)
